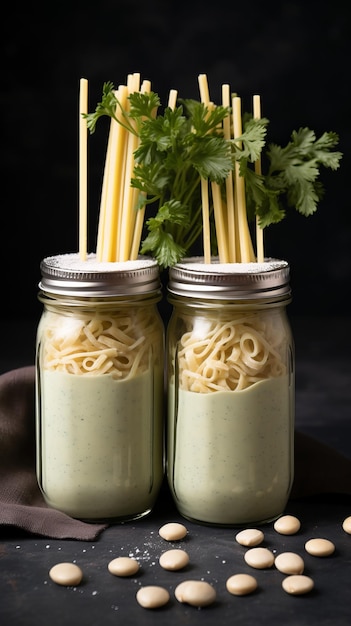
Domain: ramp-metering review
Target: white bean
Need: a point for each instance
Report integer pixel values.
(152, 596)
(195, 592)
(347, 525)
(289, 563)
(250, 537)
(66, 574)
(297, 584)
(319, 547)
(241, 584)
(259, 558)
(287, 525)
(174, 559)
(173, 531)
(123, 566)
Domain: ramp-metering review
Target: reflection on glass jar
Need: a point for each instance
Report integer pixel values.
(230, 428)
(100, 389)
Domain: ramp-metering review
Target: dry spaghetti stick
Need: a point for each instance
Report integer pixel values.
(112, 186)
(172, 98)
(109, 195)
(258, 170)
(206, 221)
(102, 212)
(139, 220)
(246, 251)
(204, 91)
(219, 223)
(216, 192)
(204, 94)
(128, 207)
(229, 183)
(83, 169)
(111, 209)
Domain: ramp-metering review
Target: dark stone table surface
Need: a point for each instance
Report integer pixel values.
(323, 400)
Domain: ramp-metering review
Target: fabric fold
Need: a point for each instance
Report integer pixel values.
(21, 502)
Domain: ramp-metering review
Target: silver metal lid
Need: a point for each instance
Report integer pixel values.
(68, 275)
(233, 281)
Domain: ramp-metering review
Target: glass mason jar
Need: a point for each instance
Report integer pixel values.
(99, 387)
(230, 428)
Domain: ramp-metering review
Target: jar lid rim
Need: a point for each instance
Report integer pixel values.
(68, 274)
(193, 278)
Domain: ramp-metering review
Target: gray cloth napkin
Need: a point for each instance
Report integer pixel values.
(21, 502)
(319, 469)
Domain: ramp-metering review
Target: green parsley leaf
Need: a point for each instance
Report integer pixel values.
(160, 241)
(294, 170)
(253, 139)
(107, 106)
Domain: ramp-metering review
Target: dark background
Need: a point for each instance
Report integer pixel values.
(294, 54)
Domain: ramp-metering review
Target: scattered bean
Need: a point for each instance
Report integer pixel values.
(67, 574)
(250, 537)
(347, 525)
(297, 584)
(241, 584)
(172, 531)
(174, 559)
(259, 558)
(287, 525)
(199, 593)
(195, 592)
(123, 566)
(289, 563)
(319, 547)
(152, 596)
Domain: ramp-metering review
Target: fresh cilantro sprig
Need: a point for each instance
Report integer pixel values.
(109, 106)
(181, 146)
(177, 150)
(295, 168)
(293, 176)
